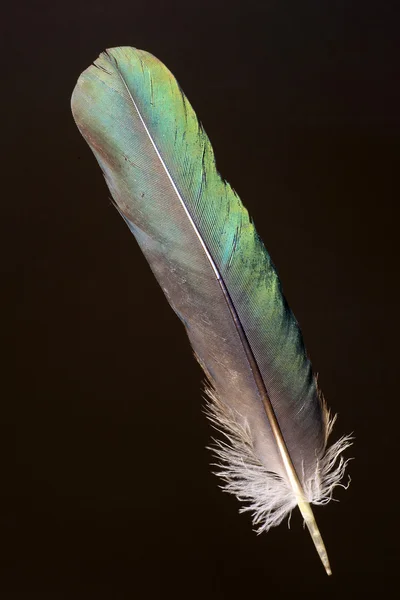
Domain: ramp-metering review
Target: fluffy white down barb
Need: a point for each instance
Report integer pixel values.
(266, 495)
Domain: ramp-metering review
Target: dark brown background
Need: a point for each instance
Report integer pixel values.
(106, 488)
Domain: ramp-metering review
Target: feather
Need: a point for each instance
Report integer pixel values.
(219, 279)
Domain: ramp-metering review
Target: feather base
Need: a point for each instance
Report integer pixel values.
(267, 496)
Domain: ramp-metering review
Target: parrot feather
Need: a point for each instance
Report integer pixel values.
(219, 279)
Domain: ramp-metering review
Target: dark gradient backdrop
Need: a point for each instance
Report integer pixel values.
(106, 489)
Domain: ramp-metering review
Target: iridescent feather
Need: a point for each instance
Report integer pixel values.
(218, 277)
